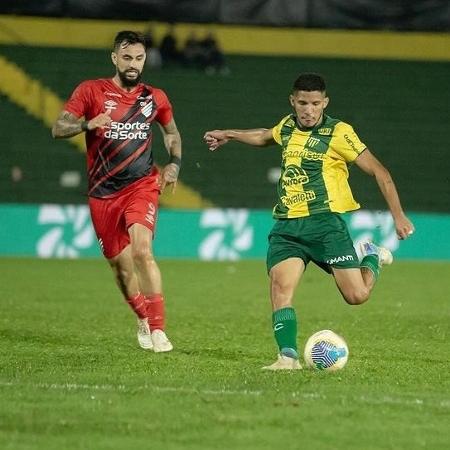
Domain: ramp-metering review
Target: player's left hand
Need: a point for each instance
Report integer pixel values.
(404, 227)
(169, 176)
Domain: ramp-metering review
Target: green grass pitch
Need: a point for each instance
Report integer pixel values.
(73, 377)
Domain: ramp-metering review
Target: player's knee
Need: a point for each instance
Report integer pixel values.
(356, 296)
(141, 254)
(282, 290)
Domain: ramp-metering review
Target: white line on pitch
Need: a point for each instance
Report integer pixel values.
(382, 400)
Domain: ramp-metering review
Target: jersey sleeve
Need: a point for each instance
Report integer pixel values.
(276, 130)
(348, 144)
(78, 102)
(165, 112)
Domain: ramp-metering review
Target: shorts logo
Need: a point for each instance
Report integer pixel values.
(100, 242)
(339, 259)
(150, 216)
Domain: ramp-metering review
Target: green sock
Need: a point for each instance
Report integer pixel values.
(284, 322)
(371, 262)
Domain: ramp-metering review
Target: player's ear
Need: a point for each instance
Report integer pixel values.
(114, 58)
(291, 100)
(326, 100)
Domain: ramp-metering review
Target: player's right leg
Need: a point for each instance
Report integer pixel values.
(284, 278)
(150, 282)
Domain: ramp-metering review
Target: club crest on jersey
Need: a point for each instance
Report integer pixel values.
(110, 105)
(147, 108)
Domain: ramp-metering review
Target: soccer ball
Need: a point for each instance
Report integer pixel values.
(326, 350)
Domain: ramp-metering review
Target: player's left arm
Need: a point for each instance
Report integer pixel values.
(172, 142)
(367, 162)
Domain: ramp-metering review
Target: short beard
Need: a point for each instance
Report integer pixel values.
(128, 82)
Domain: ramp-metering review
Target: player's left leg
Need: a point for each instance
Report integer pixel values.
(123, 268)
(356, 284)
(150, 282)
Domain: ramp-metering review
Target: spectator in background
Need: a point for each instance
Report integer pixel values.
(153, 59)
(169, 48)
(192, 51)
(212, 58)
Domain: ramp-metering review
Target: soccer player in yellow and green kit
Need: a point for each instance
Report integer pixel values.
(313, 190)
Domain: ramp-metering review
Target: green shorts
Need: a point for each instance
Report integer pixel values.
(321, 238)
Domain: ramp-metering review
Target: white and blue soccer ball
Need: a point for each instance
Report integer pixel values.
(326, 350)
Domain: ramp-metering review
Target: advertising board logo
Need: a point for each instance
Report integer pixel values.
(70, 231)
(230, 235)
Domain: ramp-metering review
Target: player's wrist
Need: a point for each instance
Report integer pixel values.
(85, 125)
(175, 160)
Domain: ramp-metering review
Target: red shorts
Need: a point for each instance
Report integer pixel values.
(111, 217)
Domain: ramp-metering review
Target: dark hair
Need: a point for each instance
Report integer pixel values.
(126, 38)
(309, 82)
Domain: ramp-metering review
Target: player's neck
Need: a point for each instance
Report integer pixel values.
(118, 82)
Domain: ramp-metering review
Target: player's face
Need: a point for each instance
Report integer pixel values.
(309, 106)
(129, 60)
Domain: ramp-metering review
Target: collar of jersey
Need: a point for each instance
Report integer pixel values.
(314, 128)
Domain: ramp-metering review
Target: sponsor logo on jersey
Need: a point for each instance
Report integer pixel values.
(128, 130)
(306, 196)
(110, 105)
(350, 142)
(113, 94)
(293, 176)
(324, 131)
(305, 153)
(338, 259)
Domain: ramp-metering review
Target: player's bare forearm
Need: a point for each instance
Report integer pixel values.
(172, 142)
(389, 191)
(387, 187)
(67, 125)
(369, 164)
(258, 137)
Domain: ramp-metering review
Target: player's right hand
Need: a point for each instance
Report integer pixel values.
(103, 120)
(214, 139)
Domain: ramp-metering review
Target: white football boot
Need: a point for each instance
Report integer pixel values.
(160, 341)
(384, 255)
(284, 363)
(143, 334)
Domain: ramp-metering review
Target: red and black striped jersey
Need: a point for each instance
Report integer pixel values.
(121, 154)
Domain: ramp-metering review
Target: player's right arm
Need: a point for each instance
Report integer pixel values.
(258, 137)
(68, 125)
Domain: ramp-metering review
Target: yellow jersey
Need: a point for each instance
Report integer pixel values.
(314, 168)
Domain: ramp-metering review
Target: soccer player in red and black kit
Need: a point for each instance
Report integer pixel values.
(117, 115)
